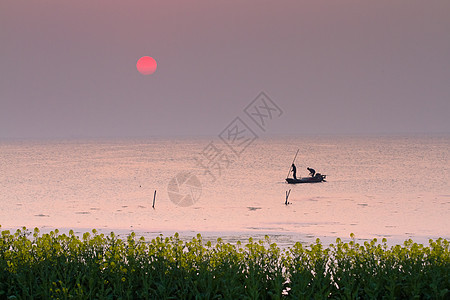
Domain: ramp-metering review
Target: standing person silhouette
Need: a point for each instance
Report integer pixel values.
(311, 171)
(294, 171)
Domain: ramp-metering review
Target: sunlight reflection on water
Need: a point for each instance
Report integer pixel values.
(376, 187)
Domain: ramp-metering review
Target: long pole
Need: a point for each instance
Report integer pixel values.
(290, 167)
(154, 197)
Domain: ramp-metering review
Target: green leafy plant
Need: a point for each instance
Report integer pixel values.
(93, 266)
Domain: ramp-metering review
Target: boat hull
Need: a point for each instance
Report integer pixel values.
(306, 179)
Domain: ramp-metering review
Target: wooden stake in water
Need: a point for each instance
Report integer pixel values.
(290, 167)
(287, 196)
(154, 197)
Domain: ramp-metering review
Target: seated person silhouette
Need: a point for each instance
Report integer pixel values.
(311, 171)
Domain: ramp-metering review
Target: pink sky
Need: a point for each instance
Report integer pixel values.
(67, 68)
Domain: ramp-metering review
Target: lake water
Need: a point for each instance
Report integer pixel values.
(393, 187)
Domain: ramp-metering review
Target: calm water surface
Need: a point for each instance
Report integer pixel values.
(393, 187)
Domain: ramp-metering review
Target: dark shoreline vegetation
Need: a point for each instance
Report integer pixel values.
(98, 266)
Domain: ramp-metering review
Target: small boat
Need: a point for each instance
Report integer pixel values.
(317, 178)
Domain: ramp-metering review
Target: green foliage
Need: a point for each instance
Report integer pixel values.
(98, 266)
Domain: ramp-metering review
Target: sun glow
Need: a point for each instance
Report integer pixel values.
(146, 65)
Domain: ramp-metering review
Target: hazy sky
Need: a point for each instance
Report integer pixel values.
(67, 68)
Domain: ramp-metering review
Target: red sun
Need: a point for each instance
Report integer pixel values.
(146, 65)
